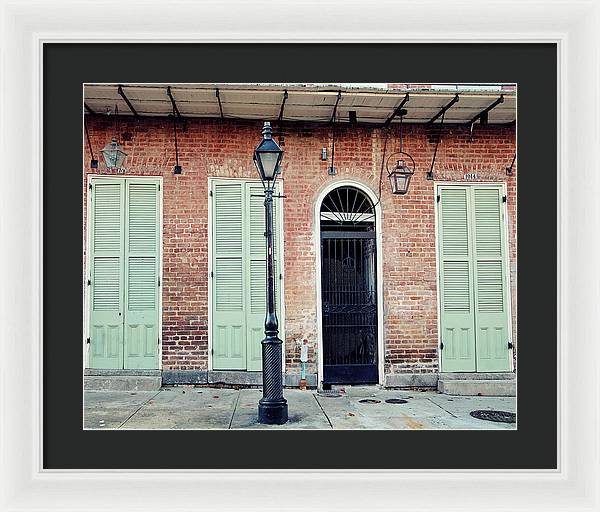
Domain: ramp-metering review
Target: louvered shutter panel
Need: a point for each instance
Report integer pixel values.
(141, 274)
(106, 274)
(228, 330)
(456, 291)
(491, 318)
(256, 271)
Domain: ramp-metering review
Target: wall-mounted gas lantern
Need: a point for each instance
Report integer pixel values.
(113, 154)
(401, 174)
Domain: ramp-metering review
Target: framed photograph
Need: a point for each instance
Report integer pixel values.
(346, 266)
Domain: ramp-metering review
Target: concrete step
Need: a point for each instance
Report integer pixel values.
(478, 387)
(478, 376)
(136, 381)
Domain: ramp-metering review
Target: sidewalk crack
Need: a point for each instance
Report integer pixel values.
(237, 401)
(323, 410)
(138, 409)
(445, 410)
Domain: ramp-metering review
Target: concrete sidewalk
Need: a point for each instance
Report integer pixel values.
(212, 408)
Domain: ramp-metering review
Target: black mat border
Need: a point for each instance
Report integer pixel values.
(532, 66)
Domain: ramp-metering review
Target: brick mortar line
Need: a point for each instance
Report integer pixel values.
(323, 410)
(139, 408)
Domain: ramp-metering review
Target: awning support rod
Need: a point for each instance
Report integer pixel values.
(88, 109)
(437, 143)
(332, 170)
(218, 95)
(509, 170)
(126, 99)
(483, 115)
(443, 110)
(93, 161)
(396, 111)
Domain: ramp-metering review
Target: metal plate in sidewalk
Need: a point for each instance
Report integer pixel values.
(497, 416)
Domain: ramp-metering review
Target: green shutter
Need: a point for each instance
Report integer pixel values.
(456, 282)
(228, 330)
(474, 296)
(142, 259)
(256, 271)
(106, 274)
(491, 295)
(239, 273)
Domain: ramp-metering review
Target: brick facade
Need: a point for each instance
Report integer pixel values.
(215, 148)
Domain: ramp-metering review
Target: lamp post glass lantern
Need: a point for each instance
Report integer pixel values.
(113, 154)
(272, 407)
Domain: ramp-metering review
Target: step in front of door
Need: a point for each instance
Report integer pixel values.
(143, 380)
(477, 387)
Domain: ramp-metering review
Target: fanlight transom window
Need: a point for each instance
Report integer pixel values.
(347, 205)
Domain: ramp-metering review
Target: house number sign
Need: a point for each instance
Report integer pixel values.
(114, 170)
(470, 176)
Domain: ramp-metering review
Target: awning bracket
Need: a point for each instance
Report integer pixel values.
(285, 97)
(337, 100)
(483, 116)
(396, 111)
(175, 108)
(218, 95)
(444, 109)
(126, 99)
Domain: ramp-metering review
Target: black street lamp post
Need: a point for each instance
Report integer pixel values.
(272, 407)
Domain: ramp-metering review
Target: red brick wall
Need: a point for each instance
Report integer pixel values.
(214, 148)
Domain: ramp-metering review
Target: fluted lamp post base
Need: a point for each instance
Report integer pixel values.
(273, 412)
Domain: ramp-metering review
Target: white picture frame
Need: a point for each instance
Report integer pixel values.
(573, 25)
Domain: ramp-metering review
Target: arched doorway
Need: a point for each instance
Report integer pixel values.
(348, 287)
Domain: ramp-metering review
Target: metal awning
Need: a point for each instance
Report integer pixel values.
(297, 102)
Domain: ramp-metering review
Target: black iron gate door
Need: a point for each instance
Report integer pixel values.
(349, 298)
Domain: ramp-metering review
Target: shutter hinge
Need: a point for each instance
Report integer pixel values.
(212, 274)
(89, 282)
(510, 345)
(504, 199)
(438, 198)
(159, 281)
(442, 345)
(90, 186)
(159, 187)
(88, 341)
(210, 193)
(280, 277)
